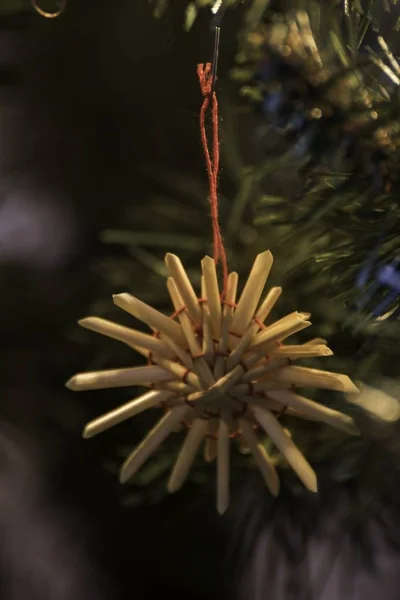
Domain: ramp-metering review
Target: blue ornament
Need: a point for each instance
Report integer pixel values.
(273, 102)
(379, 285)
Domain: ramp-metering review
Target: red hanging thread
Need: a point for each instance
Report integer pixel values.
(205, 77)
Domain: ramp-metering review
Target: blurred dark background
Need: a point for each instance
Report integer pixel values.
(88, 101)
(98, 110)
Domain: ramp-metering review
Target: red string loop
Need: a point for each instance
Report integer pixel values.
(204, 72)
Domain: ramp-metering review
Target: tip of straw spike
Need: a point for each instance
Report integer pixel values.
(275, 487)
(312, 483)
(72, 384)
(273, 483)
(124, 476)
(304, 315)
(351, 427)
(172, 487)
(117, 297)
(221, 509)
(325, 351)
(207, 259)
(87, 432)
(267, 253)
(86, 321)
(125, 301)
(169, 256)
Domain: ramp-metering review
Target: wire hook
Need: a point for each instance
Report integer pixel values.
(214, 61)
(62, 5)
(218, 9)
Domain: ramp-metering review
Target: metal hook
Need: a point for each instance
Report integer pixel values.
(62, 5)
(218, 9)
(214, 63)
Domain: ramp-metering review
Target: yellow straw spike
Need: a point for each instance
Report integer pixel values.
(184, 286)
(250, 297)
(153, 318)
(213, 294)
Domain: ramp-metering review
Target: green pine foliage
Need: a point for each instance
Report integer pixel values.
(319, 209)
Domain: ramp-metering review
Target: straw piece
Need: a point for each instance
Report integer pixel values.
(280, 330)
(228, 381)
(178, 387)
(258, 387)
(212, 294)
(205, 395)
(126, 411)
(203, 290)
(242, 400)
(305, 315)
(223, 460)
(265, 308)
(258, 400)
(267, 385)
(152, 317)
(208, 344)
(236, 355)
(252, 291)
(126, 335)
(261, 457)
(186, 455)
(210, 450)
(178, 351)
(219, 368)
(234, 402)
(205, 399)
(299, 326)
(199, 363)
(210, 447)
(263, 356)
(204, 372)
(299, 415)
(305, 377)
(231, 421)
(208, 341)
(178, 370)
(268, 303)
(263, 368)
(186, 324)
(152, 441)
(231, 291)
(303, 351)
(289, 450)
(113, 378)
(316, 411)
(143, 351)
(184, 286)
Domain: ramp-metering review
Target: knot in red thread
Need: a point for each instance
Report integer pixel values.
(204, 71)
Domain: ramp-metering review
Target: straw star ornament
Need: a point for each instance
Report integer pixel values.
(215, 367)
